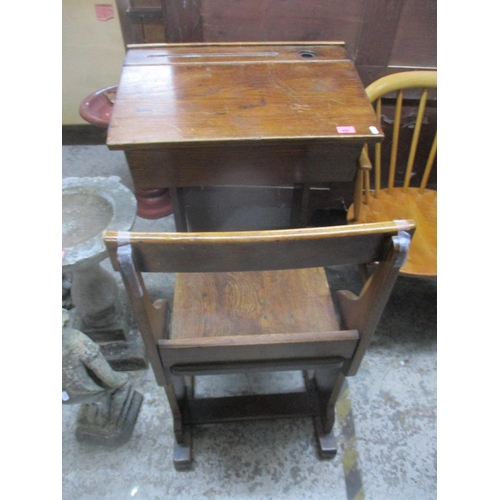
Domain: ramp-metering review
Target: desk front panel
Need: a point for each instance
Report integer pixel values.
(256, 164)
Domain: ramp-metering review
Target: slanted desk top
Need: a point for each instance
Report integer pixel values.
(172, 94)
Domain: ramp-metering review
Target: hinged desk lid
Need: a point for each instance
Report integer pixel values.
(198, 93)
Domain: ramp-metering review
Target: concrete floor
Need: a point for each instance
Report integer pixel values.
(386, 417)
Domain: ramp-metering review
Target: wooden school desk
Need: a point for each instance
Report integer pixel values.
(240, 114)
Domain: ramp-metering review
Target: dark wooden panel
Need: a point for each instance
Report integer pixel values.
(145, 4)
(283, 20)
(182, 20)
(259, 208)
(270, 164)
(153, 30)
(379, 27)
(264, 406)
(129, 33)
(380, 24)
(415, 41)
(141, 21)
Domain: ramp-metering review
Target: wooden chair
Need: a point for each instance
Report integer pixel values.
(406, 202)
(258, 301)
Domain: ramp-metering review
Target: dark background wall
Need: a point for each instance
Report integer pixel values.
(381, 36)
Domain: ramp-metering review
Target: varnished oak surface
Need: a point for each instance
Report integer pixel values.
(252, 303)
(422, 208)
(196, 93)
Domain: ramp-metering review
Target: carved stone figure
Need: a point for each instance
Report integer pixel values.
(109, 403)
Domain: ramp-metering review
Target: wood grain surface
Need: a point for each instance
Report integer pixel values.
(253, 303)
(234, 92)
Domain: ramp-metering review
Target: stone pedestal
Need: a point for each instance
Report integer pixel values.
(102, 313)
(95, 294)
(91, 205)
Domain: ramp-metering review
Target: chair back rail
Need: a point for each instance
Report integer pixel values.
(256, 250)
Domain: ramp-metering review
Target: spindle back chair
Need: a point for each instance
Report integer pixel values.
(408, 201)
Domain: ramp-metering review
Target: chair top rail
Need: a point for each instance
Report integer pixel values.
(256, 250)
(401, 81)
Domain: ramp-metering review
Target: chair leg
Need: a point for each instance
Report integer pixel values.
(176, 393)
(179, 389)
(326, 383)
(183, 456)
(189, 381)
(326, 443)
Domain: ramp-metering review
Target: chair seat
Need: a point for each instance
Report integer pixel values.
(252, 303)
(422, 208)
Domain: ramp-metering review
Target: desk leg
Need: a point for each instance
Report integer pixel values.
(153, 203)
(179, 207)
(300, 204)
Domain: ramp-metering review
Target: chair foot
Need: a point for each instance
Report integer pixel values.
(326, 443)
(183, 457)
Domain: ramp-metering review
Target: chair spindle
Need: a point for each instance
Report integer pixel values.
(414, 142)
(428, 166)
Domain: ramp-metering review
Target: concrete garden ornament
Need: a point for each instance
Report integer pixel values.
(91, 205)
(109, 404)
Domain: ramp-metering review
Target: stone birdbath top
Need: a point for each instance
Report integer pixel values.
(91, 205)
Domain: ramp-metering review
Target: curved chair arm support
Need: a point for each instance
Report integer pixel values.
(363, 313)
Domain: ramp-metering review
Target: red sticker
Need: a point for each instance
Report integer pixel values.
(346, 130)
(104, 12)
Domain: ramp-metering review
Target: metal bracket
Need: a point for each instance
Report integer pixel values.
(402, 240)
(126, 261)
